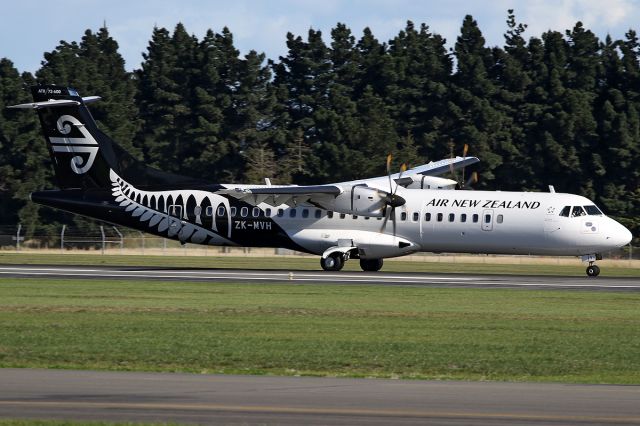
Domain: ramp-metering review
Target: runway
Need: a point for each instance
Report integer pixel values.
(322, 277)
(214, 399)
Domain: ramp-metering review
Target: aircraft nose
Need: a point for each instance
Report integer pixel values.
(618, 235)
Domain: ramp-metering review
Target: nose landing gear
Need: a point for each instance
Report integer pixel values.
(593, 270)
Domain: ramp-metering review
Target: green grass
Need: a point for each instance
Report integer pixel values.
(306, 263)
(323, 330)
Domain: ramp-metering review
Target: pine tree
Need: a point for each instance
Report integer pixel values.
(24, 160)
(94, 67)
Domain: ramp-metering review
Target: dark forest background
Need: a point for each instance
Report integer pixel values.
(562, 109)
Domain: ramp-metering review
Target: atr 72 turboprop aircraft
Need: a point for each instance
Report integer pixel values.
(368, 219)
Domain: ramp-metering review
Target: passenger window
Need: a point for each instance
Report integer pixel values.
(255, 212)
(475, 218)
(355, 217)
(577, 211)
(244, 212)
(233, 211)
(427, 217)
(463, 217)
(499, 218)
(267, 212)
(416, 216)
(452, 217)
(292, 212)
(565, 211)
(280, 212)
(439, 217)
(330, 215)
(342, 215)
(487, 218)
(208, 211)
(403, 216)
(367, 218)
(318, 214)
(197, 210)
(305, 212)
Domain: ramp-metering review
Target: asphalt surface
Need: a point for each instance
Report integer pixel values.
(322, 277)
(214, 399)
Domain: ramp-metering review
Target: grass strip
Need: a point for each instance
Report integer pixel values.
(323, 330)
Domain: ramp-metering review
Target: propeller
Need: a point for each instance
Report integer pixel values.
(473, 179)
(462, 184)
(392, 200)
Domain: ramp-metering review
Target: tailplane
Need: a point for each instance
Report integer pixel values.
(82, 155)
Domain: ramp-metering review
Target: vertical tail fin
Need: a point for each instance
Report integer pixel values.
(82, 155)
(73, 139)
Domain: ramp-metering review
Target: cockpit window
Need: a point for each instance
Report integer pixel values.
(577, 211)
(565, 211)
(592, 210)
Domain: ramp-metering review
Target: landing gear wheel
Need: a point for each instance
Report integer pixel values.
(593, 270)
(333, 262)
(371, 265)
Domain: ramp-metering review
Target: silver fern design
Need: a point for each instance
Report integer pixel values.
(153, 208)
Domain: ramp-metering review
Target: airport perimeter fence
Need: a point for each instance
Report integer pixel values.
(111, 240)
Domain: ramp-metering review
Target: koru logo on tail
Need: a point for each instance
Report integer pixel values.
(86, 145)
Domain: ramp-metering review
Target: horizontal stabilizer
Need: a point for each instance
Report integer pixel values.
(54, 103)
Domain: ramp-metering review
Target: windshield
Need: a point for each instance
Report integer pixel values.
(592, 210)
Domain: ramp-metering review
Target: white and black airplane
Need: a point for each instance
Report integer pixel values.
(367, 219)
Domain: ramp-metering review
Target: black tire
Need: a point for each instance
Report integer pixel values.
(371, 265)
(333, 262)
(593, 270)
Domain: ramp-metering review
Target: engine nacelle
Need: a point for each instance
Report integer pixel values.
(429, 182)
(360, 200)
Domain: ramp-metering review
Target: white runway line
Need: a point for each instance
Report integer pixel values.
(344, 277)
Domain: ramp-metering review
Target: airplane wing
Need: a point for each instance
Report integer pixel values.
(436, 168)
(276, 195)
(341, 196)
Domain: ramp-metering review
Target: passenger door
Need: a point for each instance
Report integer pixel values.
(487, 220)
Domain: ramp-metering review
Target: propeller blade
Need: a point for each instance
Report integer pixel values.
(473, 179)
(464, 157)
(393, 220)
(389, 172)
(403, 169)
(386, 218)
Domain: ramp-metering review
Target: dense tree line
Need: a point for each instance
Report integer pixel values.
(560, 109)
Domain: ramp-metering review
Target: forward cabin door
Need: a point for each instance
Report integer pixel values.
(487, 220)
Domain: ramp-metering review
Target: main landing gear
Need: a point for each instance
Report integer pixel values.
(593, 270)
(371, 265)
(336, 260)
(333, 262)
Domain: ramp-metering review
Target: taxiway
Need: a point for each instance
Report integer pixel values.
(214, 399)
